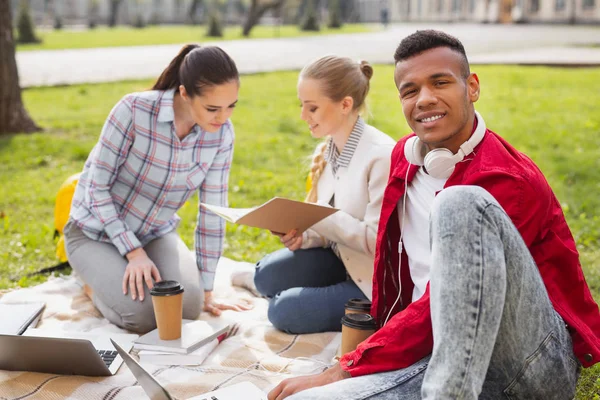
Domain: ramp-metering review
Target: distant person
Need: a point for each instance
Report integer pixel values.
(385, 14)
(310, 280)
(478, 289)
(155, 150)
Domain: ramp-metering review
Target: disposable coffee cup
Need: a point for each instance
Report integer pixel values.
(167, 299)
(356, 327)
(358, 306)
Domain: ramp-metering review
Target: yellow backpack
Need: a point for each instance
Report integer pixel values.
(61, 213)
(62, 208)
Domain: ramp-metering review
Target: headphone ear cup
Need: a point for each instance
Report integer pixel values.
(414, 151)
(440, 163)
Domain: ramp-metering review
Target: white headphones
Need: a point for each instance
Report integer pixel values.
(440, 163)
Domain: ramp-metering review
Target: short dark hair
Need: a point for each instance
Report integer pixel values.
(428, 39)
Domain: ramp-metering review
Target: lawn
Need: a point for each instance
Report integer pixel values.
(549, 113)
(171, 34)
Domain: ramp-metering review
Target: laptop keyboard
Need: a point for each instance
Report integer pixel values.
(107, 356)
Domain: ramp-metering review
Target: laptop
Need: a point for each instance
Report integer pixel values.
(154, 390)
(63, 353)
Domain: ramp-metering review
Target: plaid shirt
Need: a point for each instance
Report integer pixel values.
(140, 173)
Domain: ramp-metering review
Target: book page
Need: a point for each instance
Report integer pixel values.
(277, 215)
(229, 214)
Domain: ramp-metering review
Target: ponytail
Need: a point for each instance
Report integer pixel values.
(316, 169)
(169, 79)
(341, 77)
(197, 67)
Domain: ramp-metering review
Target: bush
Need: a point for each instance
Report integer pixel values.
(58, 25)
(139, 21)
(25, 25)
(310, 23)
(215, 26)
(155, 18)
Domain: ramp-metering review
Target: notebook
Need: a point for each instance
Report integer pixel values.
(195, 357)
(17, 317)
(194, 334)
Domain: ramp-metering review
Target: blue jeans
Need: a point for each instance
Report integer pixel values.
(495, 332)
(307, 289)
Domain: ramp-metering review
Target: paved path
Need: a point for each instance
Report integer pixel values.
(497, 44)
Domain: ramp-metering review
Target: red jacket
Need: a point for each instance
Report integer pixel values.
(521, 189)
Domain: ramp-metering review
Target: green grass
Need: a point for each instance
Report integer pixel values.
(551, 114)
(172, 34)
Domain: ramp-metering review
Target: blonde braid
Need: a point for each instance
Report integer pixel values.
(316, 168)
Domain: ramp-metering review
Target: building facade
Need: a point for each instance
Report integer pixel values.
(232, 11)
(496, 11)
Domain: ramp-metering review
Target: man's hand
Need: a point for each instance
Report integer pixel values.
(291, 240)
(291, 386)
(139, 270)
(215, 308)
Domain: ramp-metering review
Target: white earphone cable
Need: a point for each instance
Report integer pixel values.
(258, 366)
(400, 246)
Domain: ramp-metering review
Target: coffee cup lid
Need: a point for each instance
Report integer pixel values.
(166, 288)
(358, 304)
(359, 321)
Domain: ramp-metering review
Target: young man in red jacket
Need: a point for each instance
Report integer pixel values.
(477, 288)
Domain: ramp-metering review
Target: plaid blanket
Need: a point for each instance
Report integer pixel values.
(254, 352)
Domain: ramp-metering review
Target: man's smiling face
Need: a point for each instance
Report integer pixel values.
(437, 95)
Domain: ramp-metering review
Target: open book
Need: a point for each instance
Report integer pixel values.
(278, 215)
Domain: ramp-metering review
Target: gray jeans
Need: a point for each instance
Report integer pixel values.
(495, 332)
(100, 265)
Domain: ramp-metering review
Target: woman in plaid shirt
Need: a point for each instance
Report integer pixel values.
(156, 148)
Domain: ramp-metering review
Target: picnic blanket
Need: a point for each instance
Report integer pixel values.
(255, 351)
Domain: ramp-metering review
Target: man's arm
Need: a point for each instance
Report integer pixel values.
(290, 386)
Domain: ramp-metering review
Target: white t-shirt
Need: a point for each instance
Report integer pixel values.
(419, 199)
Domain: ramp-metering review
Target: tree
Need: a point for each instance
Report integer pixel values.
(114, 11)
(25, 24)
(256, 12)
(215, 27)
(13, 116)
(93, 14)
(335, 19)
(311, 20)
(194, 7)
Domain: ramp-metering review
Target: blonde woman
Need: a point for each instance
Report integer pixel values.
(309, 281)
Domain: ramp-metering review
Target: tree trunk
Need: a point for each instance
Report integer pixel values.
(114, 11)
(194, 9)
(13, 116)
(256, 12)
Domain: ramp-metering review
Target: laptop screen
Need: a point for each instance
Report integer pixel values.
(153, 389)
